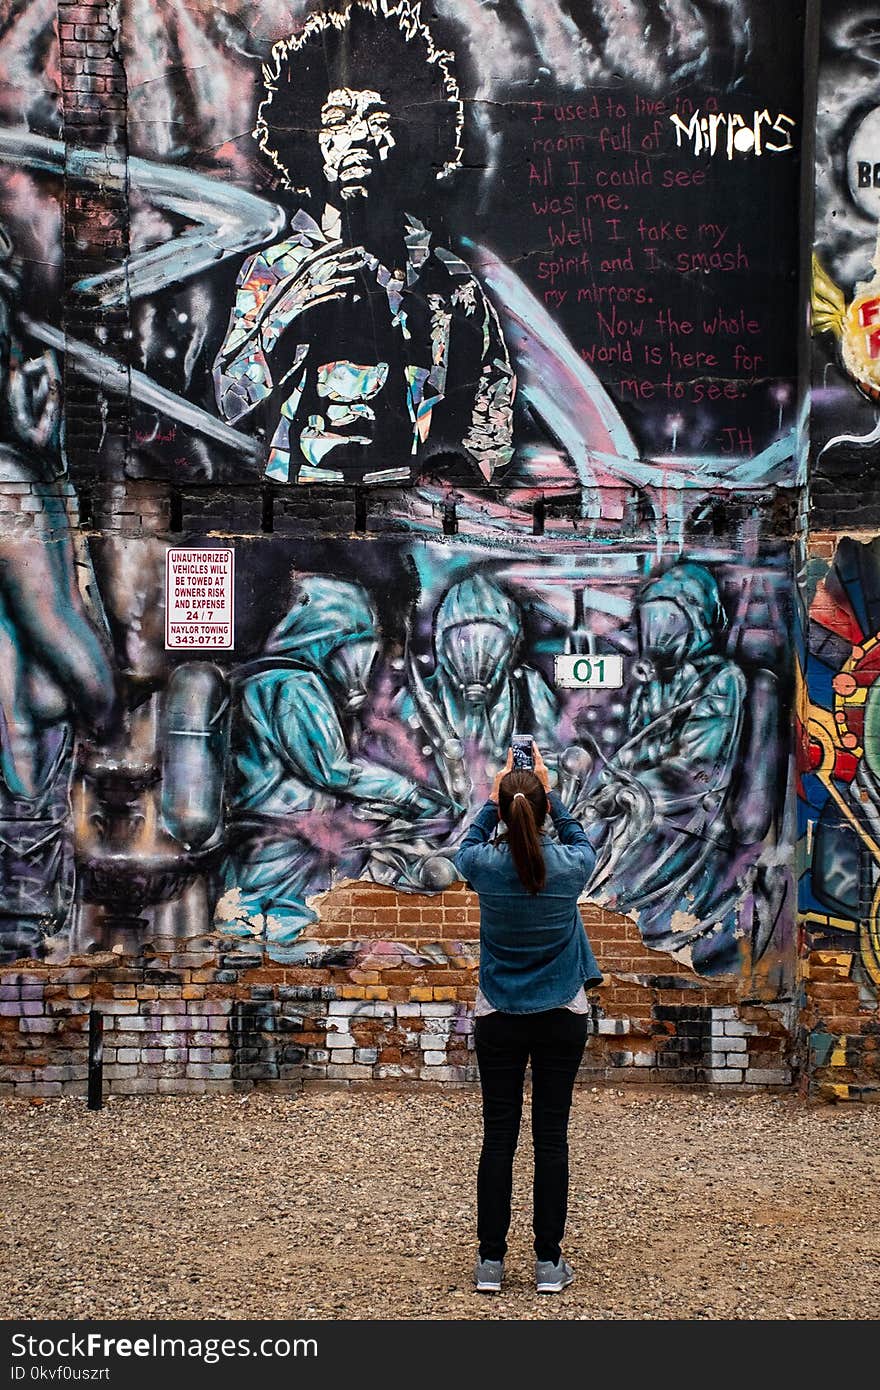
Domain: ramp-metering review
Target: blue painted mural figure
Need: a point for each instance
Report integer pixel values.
(478, 694)
(670, 858)
(356, 343)
(55, 676)
(292, 764)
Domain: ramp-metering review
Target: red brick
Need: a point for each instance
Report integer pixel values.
(836, 989)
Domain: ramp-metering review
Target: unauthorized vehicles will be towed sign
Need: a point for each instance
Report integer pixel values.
(200, 598)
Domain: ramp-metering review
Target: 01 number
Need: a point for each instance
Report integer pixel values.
(589, 669)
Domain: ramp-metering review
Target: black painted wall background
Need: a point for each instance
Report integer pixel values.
(755, 200)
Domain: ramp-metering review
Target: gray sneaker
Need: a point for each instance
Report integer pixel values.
(488, 1275)
(552, 1278)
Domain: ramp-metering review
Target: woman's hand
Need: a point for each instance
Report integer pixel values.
(508, 767)
(541, 771)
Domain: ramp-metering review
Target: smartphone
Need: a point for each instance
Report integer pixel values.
(523, 753)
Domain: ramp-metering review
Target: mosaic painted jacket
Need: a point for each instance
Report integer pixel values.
(430, 304)
(534, 950)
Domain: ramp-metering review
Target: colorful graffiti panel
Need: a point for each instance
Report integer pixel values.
(839, 885)
(467, 268)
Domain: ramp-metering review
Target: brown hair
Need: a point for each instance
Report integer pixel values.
(522, 805)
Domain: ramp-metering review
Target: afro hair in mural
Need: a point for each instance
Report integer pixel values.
(376, 46)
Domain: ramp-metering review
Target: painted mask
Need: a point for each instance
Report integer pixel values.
(476, 654)
(350, 668)
(664, 639)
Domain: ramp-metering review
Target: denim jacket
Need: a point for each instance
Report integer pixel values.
(534, 951)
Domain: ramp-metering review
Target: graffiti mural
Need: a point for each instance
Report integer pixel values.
(293, 764)
(697, 776)
(367, 730)
(839, 889)
(57, 679)
(488, 286)
(446, 353)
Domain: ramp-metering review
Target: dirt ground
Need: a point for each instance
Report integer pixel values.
(361, 1205)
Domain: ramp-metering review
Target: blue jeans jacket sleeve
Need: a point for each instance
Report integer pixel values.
(481, 831)
(572, 834)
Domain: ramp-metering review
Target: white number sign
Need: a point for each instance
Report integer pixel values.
(588, 672)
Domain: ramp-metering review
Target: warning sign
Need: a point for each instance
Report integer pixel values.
(199, 598)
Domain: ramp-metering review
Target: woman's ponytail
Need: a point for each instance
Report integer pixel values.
(522, 805)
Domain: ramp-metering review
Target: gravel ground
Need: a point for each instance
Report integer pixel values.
(361, 1205)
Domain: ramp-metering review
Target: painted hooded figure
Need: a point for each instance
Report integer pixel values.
(292, 764)
(685, 721)
(479, 694)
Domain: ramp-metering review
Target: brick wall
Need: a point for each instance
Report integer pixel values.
(389, 999)
(841, 1029)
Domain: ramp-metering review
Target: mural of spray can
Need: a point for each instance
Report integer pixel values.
(195, 712)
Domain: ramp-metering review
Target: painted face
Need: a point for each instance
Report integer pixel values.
(355, 132)
(477, 655)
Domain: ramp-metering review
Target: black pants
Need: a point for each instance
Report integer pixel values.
(554, 1041)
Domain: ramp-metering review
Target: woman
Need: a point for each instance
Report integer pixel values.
(535, 962)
